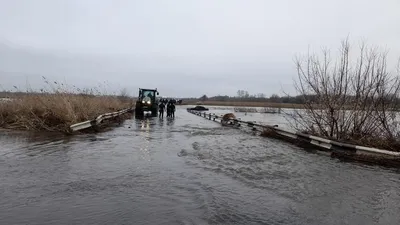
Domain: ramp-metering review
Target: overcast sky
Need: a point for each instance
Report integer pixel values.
(182, 47)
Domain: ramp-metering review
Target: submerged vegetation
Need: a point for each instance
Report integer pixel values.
(353, 101)
(57, 107)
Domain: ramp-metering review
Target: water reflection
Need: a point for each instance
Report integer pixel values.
(170, 121)
(145, 134)
(145, 125)
(161, 122)
(21, 143)
(32, 137)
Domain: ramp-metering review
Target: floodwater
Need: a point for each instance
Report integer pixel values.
(186, 170)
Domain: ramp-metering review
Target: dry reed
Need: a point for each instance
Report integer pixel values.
(58, 110)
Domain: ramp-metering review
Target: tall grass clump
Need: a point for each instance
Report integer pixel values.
(354, 99)
(57, 106)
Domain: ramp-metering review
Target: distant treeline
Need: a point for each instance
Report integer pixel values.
(299, 99)
(274, 99)
(11, 94)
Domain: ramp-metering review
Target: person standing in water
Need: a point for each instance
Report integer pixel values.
(168, 109)
(172, 109)
(161, 109)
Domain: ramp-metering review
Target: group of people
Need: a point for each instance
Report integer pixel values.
(170, 105)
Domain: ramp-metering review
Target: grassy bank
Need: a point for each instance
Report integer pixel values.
(246, 104)
(56, 112)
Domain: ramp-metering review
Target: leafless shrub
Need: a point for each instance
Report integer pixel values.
(124, 96)
(354, 102)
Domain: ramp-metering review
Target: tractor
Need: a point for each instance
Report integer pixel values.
(147, 102)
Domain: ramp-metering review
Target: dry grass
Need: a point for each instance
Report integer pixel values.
(248, 104)
(57, 107)
(56, 112)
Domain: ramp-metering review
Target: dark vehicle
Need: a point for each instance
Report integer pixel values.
(198, 108)
(147, 102)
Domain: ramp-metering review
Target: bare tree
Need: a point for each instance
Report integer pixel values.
(345, 100)
(124, 96)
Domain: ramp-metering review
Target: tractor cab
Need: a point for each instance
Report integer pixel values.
(147, 102)
(148, 96)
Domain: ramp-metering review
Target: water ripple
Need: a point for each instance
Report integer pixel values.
(186, 170)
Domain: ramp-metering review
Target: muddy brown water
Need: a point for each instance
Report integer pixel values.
(186, 170)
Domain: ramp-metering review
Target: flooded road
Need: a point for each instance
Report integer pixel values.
(186, 171)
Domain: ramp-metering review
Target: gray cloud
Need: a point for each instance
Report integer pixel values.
(183, 47)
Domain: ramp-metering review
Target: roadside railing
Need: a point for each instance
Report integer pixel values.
(97, 121)
(311, 139)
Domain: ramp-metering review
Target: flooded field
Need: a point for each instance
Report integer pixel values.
(186, 170)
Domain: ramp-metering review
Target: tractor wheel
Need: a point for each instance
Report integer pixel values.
(154, 112)
(138, 112)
